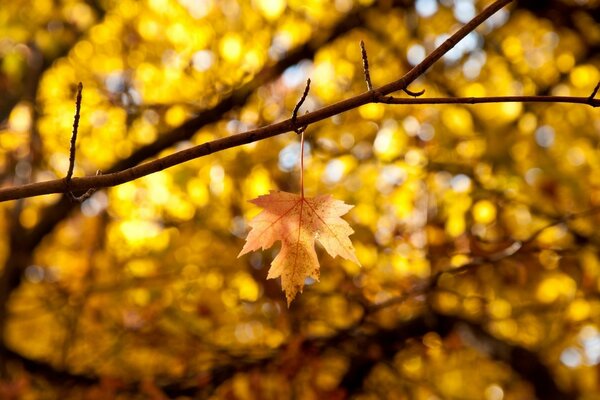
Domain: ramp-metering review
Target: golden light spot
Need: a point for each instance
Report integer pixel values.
(413, 366)
(511, 46)
(29, 217)
(83, 50)
(148, 28)
(140, 297)
(271, 9)
(510, 111)
(400, 264)
(372, 111)
(565, 62)
(367, 255)
(175, 115)
(471, 148)
(257, 183)
(141, 267)
(552, 235)
(214, 280)
(458, 260)
(432, 340)
(455, 225)
(230, 47)
(139, 232)
(579, 310)
(20, 117)
(390, 141)
(585, 76)
(555, 286)
(180, 209)
(484, 212)
(499, 309)
(247, 288)
(177, 33)
(474, 90)
(458, 120)
(447, 301)
(198, 191)
(527, 123)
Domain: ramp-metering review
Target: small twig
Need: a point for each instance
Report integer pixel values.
(414, 94)
(591, 98)
(365, 61)
(300, 129)
(91, 191)
(377, 96)
(74, 135)
(86, 195)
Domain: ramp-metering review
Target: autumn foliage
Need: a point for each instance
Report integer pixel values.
(297, 222)
(457, 181)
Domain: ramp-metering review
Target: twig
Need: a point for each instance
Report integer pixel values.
(365, 61)
(74, 135)
(300, 129)
(72, 150)
(591, 98)
(492, 99)
(86, 195)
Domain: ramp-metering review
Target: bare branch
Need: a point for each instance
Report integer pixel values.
(57, 186)
(492, 99)
(591, 98)
(300, 129)
(72, 151)
(365, 61)
(74, 135)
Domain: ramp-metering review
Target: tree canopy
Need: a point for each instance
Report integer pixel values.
(478, 273)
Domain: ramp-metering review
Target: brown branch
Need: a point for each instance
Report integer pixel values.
(365, 60)
(302, 128)
(74, 134)
(113, 179)
(493, 99)
(130, 174)
(72, 151)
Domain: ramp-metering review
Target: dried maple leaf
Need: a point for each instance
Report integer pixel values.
(298, 221)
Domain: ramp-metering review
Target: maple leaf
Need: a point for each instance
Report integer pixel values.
(298, 221)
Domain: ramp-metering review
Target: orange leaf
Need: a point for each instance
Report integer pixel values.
(297, 222)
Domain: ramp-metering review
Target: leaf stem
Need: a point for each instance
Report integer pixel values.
(302, 164)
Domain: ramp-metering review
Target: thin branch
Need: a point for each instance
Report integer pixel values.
(591, 98)
(72, 151)
(365, 60)
(300, 129)
(493, 99)
(74, 135)
(57, 186)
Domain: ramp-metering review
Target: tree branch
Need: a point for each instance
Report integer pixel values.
(130, 174)
(117, 178)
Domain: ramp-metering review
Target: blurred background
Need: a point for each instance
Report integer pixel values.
(475, 225)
